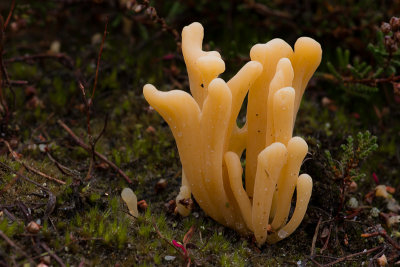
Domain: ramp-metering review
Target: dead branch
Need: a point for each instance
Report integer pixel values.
(383, 234)
(82, 144)
(266, 11)
(64, 169)
(35, 171)
(9, 15)
(88, 105)
(24, 177)
(29, 168)
(53, 254)
(348, 257)
(165, 239)
(314, 240)
(64, 59)
(16, 247)
(98, 59)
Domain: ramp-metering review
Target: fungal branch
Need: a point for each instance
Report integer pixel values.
(210, 143)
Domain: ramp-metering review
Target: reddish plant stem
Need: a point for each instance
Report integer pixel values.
(9, 15)
(98, 60)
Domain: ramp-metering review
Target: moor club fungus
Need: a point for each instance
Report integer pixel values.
(211, 144)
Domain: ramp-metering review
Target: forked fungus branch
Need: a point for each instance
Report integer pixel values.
(211, 144)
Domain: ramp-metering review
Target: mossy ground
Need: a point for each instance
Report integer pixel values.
(89, 223)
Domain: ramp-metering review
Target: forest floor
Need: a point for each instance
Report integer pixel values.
(76, 130)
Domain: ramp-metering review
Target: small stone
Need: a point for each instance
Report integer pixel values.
(33, 227)
(138, 8)
(353, 203)
(393, 220)
(374, 212)
(55, 47)
(150, 129)
(97, 38)
(326, 101)
(46, 259)
(353, 187)
(160, 185)
(43, 147)
(142, 205)
(380, 191)
(382, 260)
(169, 258)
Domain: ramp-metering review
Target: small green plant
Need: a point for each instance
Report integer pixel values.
(346, 169)
(347, 74)
(360, 78)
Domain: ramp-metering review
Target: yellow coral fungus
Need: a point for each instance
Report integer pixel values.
(210, 143)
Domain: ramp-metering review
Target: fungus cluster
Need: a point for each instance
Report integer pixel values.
(211, 144)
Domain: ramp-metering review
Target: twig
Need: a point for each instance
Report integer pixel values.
(352, 256)
(63, 58)
(383, 234)
(152, 13)
(17, 82)
(29, 168)
(93, 142)
(315, 262)
(88, 105)
(169, 242)
(9, 214)
(64, 169)
(9, 15)
(24, 177)
(325, 246)
(372, 81)
(52, 198)
(98, 59)
(53, 254)
(314, 240)
(11, 243)
(266, 11)
(87, 148)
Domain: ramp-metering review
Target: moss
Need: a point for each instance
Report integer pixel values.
(94, 197)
